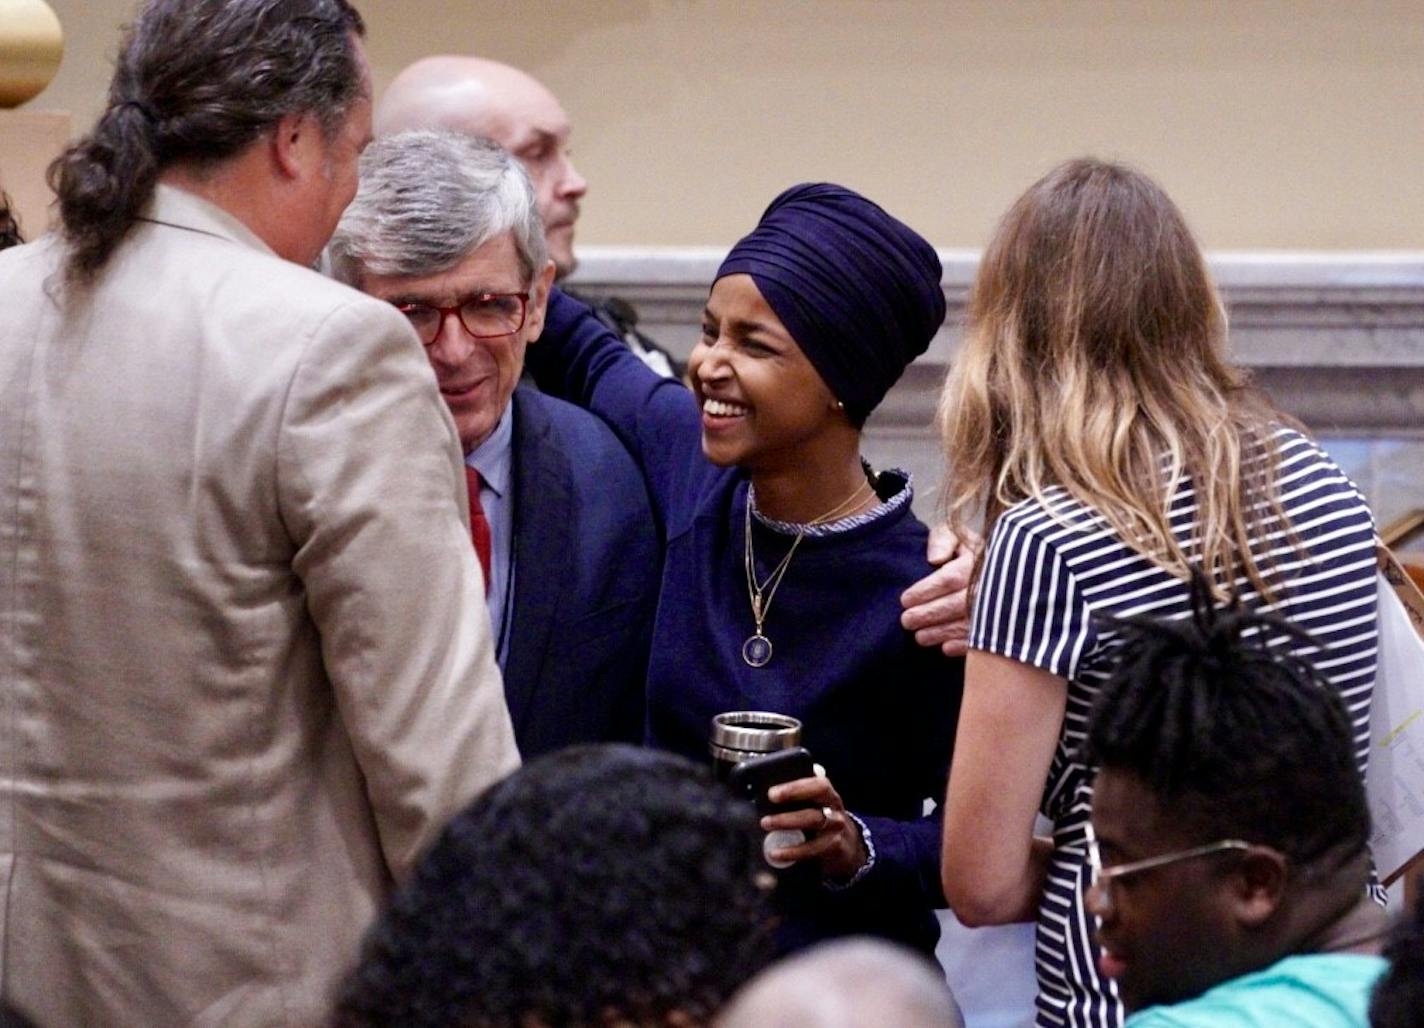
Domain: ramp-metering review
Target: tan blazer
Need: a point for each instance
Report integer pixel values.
(245, 669)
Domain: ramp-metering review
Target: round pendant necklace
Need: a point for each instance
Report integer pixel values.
(757, 650)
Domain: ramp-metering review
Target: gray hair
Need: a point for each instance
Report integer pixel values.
(427, 200)
(846, 984)
(197, 81)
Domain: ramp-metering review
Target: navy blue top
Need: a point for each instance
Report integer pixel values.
(878, 710)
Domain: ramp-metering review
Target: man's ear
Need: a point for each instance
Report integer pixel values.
(293, 142)
(1258, 884)
(539, 300)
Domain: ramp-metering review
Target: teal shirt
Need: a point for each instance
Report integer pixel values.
(1318, 990)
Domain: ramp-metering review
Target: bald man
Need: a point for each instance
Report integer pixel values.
(478, 97)
(844, 984)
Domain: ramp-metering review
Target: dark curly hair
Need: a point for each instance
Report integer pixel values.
(9, 230)
(196, 82)
(597, 880)
(1245, 739)
(1398, 1000)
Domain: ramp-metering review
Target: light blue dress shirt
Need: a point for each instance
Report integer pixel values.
(494, 460)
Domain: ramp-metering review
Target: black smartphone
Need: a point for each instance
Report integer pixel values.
(755, 775)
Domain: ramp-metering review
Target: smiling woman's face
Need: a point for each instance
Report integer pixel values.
(762, 400)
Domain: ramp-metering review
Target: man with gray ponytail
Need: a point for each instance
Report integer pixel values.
(243, 652)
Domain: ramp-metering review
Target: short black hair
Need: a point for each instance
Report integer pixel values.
(1398, 1000)
(596, 879)
(1242, 738)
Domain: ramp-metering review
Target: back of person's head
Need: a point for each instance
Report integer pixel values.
(427, 200)
(1094, 359)
(9, 228)
(474, 96)
(596, 885)
(1237, 736)
(846, 984)
(1398, 1000)
(196, 83)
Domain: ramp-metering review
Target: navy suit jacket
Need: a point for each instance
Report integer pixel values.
(587, 566)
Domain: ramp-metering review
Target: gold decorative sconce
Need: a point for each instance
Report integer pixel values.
(31, 45)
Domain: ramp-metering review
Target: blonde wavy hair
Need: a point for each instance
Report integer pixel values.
(1093, 360)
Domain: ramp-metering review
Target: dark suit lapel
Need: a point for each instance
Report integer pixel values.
(543, 536)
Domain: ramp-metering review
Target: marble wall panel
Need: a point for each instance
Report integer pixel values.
(1336, 339)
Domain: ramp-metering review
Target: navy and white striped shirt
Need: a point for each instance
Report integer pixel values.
(1051, 567)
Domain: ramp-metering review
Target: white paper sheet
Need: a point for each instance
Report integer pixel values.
(1394, 780)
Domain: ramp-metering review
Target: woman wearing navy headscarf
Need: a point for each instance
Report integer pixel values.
(785, 554)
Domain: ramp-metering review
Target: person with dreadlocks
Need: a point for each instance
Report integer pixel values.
(1093, 420)
(1229, 848)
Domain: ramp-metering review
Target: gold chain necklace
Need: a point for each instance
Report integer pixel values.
(756, 651)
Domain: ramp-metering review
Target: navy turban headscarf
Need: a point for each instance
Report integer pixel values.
(858, 290)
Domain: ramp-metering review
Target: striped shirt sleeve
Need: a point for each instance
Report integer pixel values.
(1028, 606)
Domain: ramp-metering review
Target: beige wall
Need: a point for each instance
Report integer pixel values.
(1275, 124)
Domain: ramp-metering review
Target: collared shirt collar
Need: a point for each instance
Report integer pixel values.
(493, 457)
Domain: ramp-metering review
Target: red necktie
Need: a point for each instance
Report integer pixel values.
(479, 524)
